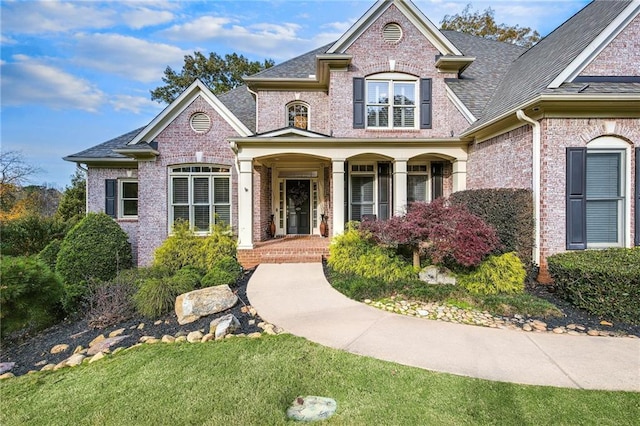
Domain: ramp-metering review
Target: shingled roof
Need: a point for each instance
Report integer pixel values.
(299, 67)
(242, 104)
(534, 70)
(105, 149)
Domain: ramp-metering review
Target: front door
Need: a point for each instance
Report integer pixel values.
(298, 206)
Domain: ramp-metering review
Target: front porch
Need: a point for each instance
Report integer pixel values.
(286, 249)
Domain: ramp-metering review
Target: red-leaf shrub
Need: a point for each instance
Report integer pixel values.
(445, 233)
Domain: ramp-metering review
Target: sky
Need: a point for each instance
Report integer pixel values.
(74, 74)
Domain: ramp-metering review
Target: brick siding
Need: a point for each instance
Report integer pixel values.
(621, 57)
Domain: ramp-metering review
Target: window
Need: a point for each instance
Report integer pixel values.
(200, 195)
(128, 200)
(298, 115)
(391, 103)
(605, 198)
(417, 179)
(362, 191)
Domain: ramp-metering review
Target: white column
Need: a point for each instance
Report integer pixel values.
(459, 175)
(399, 186)
(338, 197)
(245, 204)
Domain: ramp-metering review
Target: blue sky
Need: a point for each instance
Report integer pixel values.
(77, 73)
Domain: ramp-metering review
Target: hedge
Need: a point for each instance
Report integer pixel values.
(605, 283)
(510, 212)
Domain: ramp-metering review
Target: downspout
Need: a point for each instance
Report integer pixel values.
(535, 181)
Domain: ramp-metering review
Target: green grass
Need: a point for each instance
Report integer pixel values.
(251, 382)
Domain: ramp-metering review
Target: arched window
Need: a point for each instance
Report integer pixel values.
(298, 115)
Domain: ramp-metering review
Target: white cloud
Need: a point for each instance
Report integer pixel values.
(28, 81)
(126, 56)
(134, 104)
(37, 17)
(141, 17)
(7, 41)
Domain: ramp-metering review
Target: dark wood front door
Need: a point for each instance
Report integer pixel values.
(298, 206)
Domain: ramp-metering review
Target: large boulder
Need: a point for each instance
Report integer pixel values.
(199, 303)
(436, 275)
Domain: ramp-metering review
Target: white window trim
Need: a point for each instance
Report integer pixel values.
(121, 199)
(294, 103)
(373, 173)
(613, 144)
(426, 173)
(190, 176)
(390, 78)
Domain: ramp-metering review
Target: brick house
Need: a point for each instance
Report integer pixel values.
(396, 111)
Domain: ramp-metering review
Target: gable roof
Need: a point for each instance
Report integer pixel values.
(105, 150)
(242, 104)
(417, 18)
(532, 72)
(299, 67)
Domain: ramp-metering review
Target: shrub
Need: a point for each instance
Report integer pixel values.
(503, 274)
(357, 287)
(187, 277)
(509, 211)
(49, 254)
(109, 302)
(227, 270)
(157, 296)
(30, 295)
(355, 253)
(184, 248)
(605, 283)
(95, 248)
(28, 235)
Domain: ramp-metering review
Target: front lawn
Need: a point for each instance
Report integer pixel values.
(251, 382)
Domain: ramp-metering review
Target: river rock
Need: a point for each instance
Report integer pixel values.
(224, 325)
(195, 336)
(199, 303)
(6, 375)
(97, 357)
(6, 366)
(311, 408)
(105, 345)
(58, 349)
(74, 360)
(116, 333)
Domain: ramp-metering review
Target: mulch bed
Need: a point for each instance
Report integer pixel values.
(28, 350)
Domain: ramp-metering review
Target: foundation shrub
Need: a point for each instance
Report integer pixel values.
(605, 283)
(49, 254)
(219, 245)
(30, 296)
(356, 253)
(510, 212)
(95, 248)
(226, 270)
(111, 302)
(156, 296)
(498, 274)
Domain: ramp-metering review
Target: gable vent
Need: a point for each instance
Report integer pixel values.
(392, 33)
(200, 122)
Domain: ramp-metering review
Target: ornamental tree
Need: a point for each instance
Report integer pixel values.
(445, 233)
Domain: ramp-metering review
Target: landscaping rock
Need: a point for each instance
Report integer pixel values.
(199, 303)
(48, 367)
(58, 349)
(105, 345)
(207, 337)
(97, 340)
(168, 339)
(195, 336)
(222, 326)
(97, 357)
(527, 327)
(6, 366)
(74, 360)
(434, 275)
(6, 375)
(254, 335)
(593, 332)
(116, 333)
(312, 408)
(78, 349)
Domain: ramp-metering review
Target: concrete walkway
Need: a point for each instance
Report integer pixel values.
(298, 298)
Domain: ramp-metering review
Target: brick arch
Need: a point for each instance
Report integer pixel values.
(175, 160)
(607, 128)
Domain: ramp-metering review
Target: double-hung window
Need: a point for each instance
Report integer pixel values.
(391, 103)
(128, 199)
(200, 195)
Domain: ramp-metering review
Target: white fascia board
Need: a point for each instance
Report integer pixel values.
(289, 131)
(597, 45)
(455, 100)
(197, 88)
(415, 16)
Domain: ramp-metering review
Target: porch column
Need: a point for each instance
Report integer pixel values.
(459, 175)
(399, 186)
(338, 197)
(245, 204)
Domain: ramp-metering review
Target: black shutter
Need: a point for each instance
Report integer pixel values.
(384, 191)
(110, 197)
(576, 199)
(437, 180)
(346, 192)
(358, 103)
(637, 198)
(425, 103)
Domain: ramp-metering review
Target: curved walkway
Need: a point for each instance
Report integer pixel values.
(297, 297)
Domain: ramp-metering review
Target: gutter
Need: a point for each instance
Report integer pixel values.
(535, 181)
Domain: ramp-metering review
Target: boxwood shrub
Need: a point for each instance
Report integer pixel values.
(510, 212)
(95, 248)
(605, 283)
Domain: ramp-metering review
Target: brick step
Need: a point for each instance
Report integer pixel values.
(251, 258)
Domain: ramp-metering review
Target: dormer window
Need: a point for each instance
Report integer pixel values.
(298, 115)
